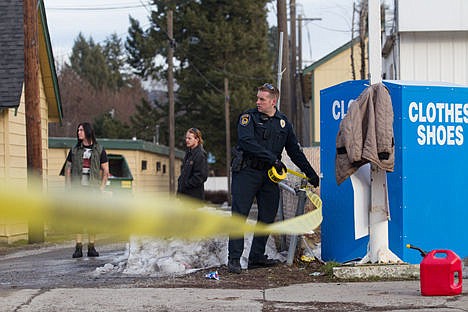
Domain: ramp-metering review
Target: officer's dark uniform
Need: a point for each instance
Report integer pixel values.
(261, 142)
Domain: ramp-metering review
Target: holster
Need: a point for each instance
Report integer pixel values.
(237, 161)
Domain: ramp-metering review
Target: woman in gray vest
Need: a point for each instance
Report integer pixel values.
(87, 168)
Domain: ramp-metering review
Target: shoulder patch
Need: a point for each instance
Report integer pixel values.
(244, 119)
(282, 123)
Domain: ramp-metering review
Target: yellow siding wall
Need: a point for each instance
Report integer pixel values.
(148, 180)
(144, 181)
(13, 159)
(56, 160)
(330, 73)
(13, 166)
(45, 129)
(13, 146)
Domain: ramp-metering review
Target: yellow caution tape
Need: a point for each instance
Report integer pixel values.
(157, 215)
(297, 174)
(301, 175)
(301, 224)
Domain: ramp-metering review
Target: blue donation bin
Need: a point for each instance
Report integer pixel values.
(428, 190)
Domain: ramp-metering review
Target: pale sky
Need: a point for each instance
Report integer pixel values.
(98, 19)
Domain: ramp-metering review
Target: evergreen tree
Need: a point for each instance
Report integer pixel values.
(141, 51)
(214, 40)
(147, 118)
(94, 83)
(105, 126)
(115, 59)
(89, 62)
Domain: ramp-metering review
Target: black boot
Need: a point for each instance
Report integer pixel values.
(78, 251)
(92, 251)
(234, 266)
(262, 262)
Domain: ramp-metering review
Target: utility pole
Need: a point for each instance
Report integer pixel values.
(299, 43)
(285, 85)
(300, 111)
(170, 90)
(300, 92)
(32, 110)
(300, 19)
(228, 138)
(292, 74)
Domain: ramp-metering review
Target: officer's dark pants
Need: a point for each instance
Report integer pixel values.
(246, 185)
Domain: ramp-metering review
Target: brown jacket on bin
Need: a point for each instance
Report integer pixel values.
(366, 133)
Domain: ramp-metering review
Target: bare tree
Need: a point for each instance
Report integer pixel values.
(362, 36)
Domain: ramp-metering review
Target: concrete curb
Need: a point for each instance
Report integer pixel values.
(375, 270)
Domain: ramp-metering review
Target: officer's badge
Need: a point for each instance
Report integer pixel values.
(245, 119)
(282, 123)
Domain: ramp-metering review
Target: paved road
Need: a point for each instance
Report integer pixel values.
(50, 280)
(53, 267)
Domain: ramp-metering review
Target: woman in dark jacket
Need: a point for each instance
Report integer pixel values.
(195, 166)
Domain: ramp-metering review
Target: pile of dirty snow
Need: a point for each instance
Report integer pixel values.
(152, 256)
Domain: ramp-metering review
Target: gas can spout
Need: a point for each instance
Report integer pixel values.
(422, 252)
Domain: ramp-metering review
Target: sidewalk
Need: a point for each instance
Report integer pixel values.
(47, 279)
(365, 296)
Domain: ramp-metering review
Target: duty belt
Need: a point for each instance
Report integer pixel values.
(256, 163)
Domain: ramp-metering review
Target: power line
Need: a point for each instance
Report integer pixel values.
(332, 29)
(228, 73)
(96, 8)
(206, 79)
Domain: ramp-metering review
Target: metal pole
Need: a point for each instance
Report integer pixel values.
(280, 212)
(285, 89)
(378, 250)
(170, 90)
(375, 42)
(301, 200)
(228, 138)
(280, 65)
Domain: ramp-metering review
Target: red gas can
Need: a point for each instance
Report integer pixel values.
(441, 273)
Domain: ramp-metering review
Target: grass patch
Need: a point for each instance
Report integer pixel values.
(327, 268)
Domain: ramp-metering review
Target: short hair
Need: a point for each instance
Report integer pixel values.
(197, 133)
(268, 87)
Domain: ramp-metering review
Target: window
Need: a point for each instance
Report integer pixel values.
(164, 168)
(144, 164)
(158, 166)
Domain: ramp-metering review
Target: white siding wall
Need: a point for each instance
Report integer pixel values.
(434, 56)
(433, 15)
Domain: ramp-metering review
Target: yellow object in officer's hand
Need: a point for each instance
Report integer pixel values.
(275, 176)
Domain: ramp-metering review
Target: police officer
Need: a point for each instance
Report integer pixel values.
(263, 132)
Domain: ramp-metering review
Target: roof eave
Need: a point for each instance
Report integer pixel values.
(49, 73)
